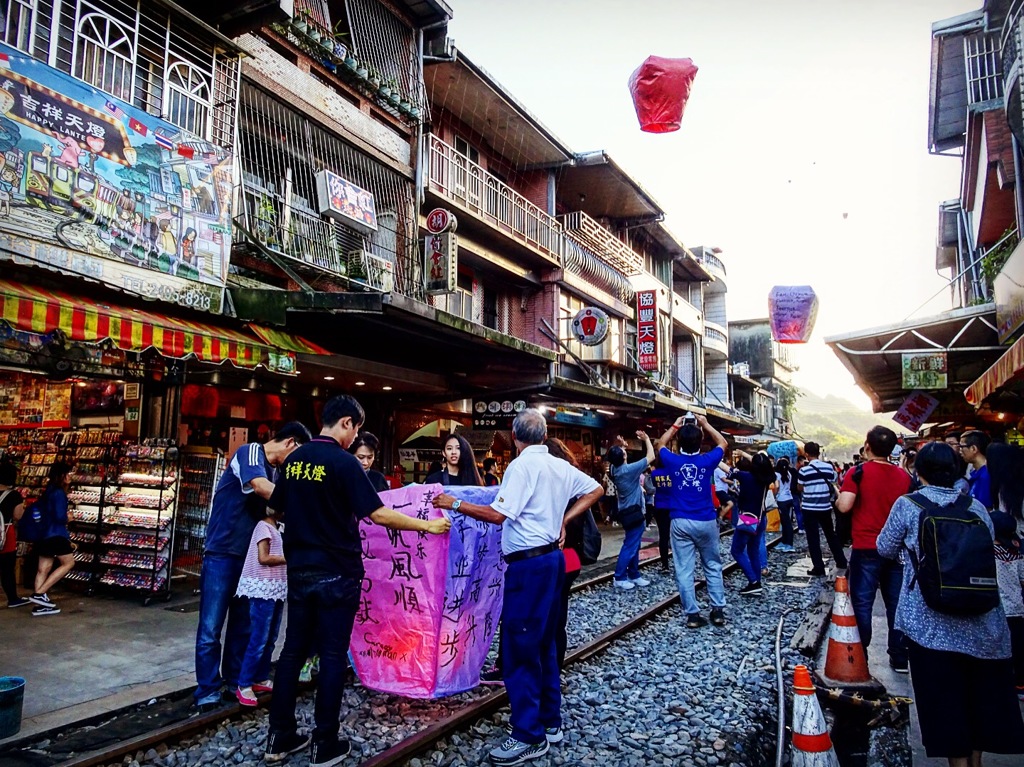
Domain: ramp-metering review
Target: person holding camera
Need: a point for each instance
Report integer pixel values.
(632, 511)
(694, 522)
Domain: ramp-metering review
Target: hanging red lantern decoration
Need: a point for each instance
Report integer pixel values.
(660, 88)
(792, 310)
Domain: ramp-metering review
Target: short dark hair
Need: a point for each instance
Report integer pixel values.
(293, 430)
(690, 437)
(364, 439)
(975, 438)
(8, 472)
(937, 464)
(489, 464)
(812, 449)
(343, 406)
(59, 470)
(616, 456)
(881, 441)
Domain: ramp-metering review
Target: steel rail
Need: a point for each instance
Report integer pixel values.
(408, 747)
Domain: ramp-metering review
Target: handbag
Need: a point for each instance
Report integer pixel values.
(631, 517)
(747, 523)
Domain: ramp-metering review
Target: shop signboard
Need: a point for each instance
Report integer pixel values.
(496, 413)
(915, 410)
(1008, 287)
(577, 417)
(440, 220)
(91, 185)
(647, 330)
(590, 326)
(441, 254)
(924, 370)
(345, 202)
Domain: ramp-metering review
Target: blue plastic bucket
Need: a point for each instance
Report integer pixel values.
(12, 696)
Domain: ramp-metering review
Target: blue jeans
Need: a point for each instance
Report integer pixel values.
(530, 618)
(264, 623)
(799, 513)
(786, 521)
(746, 550)
(689, 537)
(628, 563)
(218, 582)
(320, 605)
(869, 572)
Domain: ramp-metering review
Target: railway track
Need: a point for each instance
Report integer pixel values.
(420, 741)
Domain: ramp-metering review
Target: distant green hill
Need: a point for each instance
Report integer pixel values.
(836, 424)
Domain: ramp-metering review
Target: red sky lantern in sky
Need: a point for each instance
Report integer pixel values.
(660, 88)
(792, 310)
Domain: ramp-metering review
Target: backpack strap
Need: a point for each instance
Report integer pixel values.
(924, 503)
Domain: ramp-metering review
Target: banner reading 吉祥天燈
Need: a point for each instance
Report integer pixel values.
(93, 186)
(430, 603)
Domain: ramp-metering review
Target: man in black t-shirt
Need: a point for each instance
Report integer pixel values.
(322, 493)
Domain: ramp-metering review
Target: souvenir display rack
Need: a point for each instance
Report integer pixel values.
(200, 472)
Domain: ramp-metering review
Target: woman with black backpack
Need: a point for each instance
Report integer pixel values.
(957, 638)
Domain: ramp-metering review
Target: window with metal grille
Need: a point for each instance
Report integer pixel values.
(984, 79)
(105, 54)
(17, 17)
(188, 98)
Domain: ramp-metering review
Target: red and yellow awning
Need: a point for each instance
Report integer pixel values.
(85, 320)
(1005, 369)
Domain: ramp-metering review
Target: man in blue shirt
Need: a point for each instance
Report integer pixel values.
(689, 488)
(973, 445)
(239, 502)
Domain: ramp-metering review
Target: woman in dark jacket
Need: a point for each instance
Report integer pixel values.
(56, 547)
(364, 447)
(459, 467)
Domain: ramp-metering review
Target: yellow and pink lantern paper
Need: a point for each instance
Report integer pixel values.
(792, 310)
(660, 88)
(430, 603)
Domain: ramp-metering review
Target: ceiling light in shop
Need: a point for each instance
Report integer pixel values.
(360, 383)
(386, 388)
(328, 378)
(604, 412)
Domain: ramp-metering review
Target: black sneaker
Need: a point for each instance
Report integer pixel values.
(328, 753)
(51, 610)
(717, 616)
(816, 572)
(751, 590)
(19, 602)
(41, 599)
(899, 666)
(696, 621)
(281, 744)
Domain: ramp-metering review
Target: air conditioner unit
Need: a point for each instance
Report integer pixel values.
(373, 271)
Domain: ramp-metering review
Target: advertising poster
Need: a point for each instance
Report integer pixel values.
(91, 185)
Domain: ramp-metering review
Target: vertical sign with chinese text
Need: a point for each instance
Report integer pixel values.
(441, 252)
(647, 330)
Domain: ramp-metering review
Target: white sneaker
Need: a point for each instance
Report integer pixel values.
(641, 581)
(627, 585)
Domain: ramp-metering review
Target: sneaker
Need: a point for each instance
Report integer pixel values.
(19, 602)
(306, 673)
(492, 676)
(329, 753)
(899, 666)
(246, 696)
(751, 589)
(641, 581)
(281, 744)
(52, 610)
(785, 548)
(627, 585)
(696, 621)
(41, 599)
(513, 751)
(265, 686)
(816, 572)
(717, 616)
(553, 734)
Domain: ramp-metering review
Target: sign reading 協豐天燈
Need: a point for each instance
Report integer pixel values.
(647, 330)
(93, 186)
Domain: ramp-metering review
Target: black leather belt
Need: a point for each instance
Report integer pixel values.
(536, 551)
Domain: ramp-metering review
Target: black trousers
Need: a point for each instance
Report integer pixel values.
(7, 580)
(664, 534)
(822, 520)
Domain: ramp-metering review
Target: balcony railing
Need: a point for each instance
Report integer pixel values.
(713, 261)
(603, 243)
(984, 78)
(458, 178)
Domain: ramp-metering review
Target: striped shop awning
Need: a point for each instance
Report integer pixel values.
(85, 320)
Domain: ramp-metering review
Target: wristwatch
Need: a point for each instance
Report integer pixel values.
(456, 504)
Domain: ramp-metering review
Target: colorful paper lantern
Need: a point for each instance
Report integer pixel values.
(792, 310)
(785, 449)
(430, 604)
(660, 88)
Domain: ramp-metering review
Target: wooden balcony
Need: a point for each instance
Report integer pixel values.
(602, 243)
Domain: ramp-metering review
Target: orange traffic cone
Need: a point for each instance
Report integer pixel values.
(846, 662)
(812, 746)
